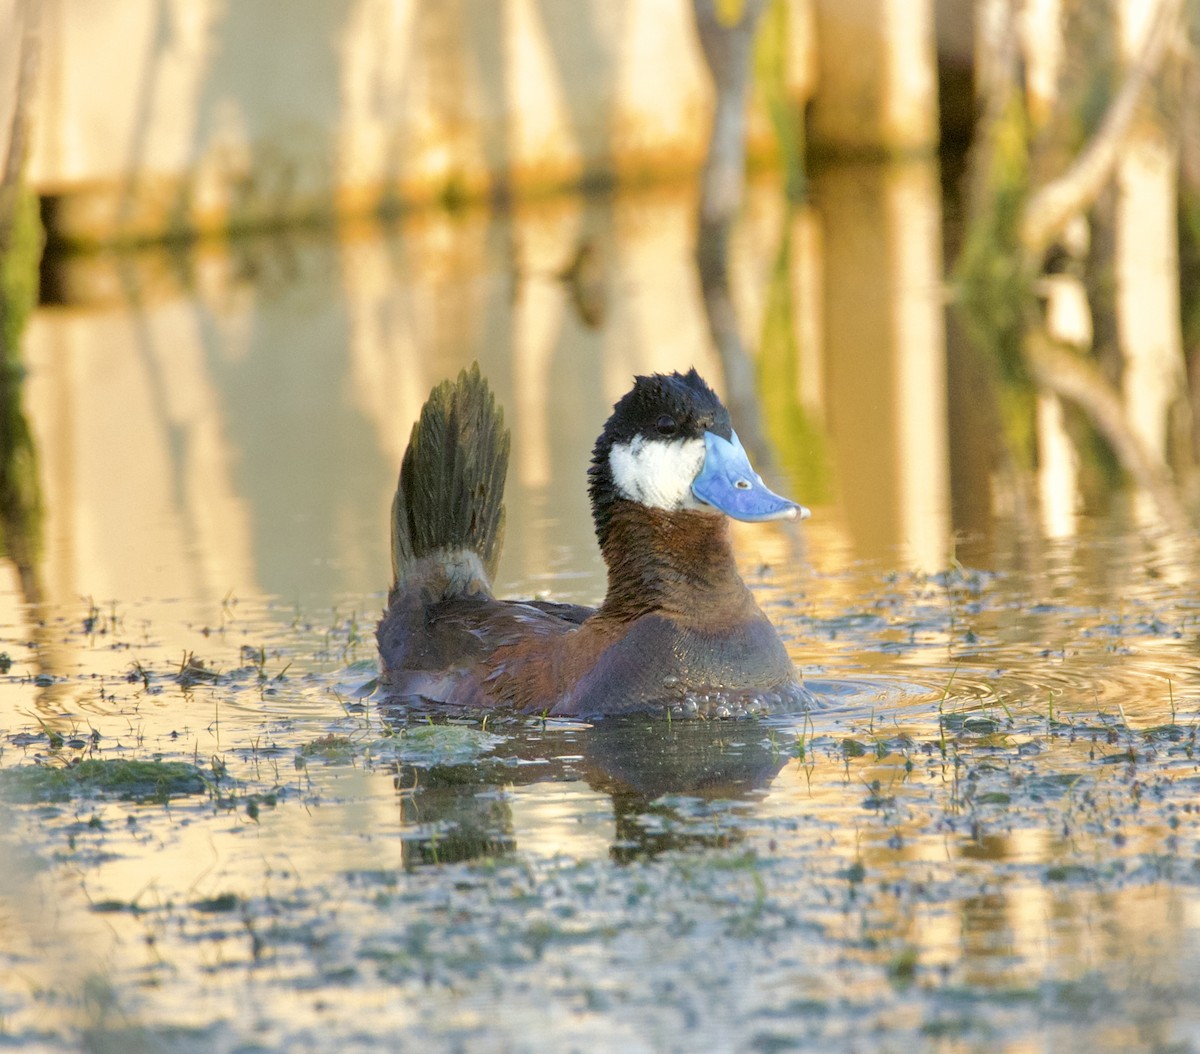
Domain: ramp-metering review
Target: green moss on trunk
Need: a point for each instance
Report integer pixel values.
(21, 242)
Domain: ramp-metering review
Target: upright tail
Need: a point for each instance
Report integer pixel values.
(449, 502)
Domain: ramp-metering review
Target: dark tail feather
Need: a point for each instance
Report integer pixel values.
(450, 495)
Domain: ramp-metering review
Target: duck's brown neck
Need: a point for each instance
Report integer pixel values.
(679, 563)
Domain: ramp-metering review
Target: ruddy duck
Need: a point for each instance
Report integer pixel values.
(678, 631)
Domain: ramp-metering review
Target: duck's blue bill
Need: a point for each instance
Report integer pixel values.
(727, 482)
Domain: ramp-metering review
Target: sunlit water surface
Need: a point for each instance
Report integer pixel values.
(984, 839)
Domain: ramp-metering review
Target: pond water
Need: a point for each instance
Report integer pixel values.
(985, 839)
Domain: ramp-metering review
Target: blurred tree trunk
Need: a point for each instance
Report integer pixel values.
(728, 46)
(1019, 213)
(1147, 255)
(1076, 380)
(1054, 203)
(1042, 44)
(1046, 208)
(20, 255)
(878, 78)
(1189, 224)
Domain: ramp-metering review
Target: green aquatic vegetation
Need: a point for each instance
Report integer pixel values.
(331, 747)
(902, 968)
(97, 623)
(194, 671)
(114, 907)
(855, 873)
(222, 902)
(254, 660)
(128, 779)
(1069, 873)
(252, 803)
(138, 674)
(427, 746)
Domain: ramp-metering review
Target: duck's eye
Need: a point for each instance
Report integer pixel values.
(742, 484)
(666, 425)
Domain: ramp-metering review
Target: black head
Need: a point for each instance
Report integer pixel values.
(664, 414)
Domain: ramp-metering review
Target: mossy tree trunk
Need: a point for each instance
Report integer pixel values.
(20, 255)
(726, 32)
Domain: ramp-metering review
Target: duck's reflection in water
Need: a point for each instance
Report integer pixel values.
(671, 785)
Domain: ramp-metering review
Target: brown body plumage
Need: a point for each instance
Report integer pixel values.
(678, 629)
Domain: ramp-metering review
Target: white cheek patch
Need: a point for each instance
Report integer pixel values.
(658, 472)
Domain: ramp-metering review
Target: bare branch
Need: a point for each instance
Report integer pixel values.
(28, 54)
(728, 51)
(1076, 380)
(1052, 206)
